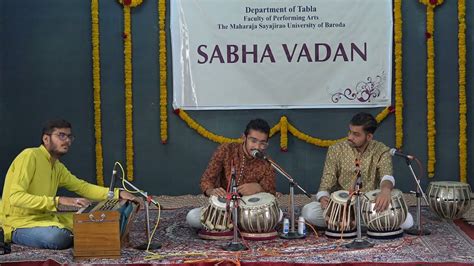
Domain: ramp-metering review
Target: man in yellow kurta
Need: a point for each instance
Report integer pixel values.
(360, 155)
(29, 193)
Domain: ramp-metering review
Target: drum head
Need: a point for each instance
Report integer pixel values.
(340, 196)
(259, 199)
(217, 202)
(371, 195)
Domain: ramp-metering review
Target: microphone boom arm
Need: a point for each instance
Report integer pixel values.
(287, 176)
(144, 194)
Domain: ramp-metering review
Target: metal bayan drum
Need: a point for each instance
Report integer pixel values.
(258, 213)
(384, 224)
(449, 199)
(214, 217)
(340, 215)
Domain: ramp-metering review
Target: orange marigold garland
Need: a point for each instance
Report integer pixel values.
(163, 72)
(99, 160)
(462, 91)
(283, 133)
(430, 83)
(127, 50)
(283, 126)
(398, 37)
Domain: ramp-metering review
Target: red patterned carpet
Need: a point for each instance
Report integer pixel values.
(447, 245)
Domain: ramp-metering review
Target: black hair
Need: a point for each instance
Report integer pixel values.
(366, 120)
(258, 125)
(50, 125)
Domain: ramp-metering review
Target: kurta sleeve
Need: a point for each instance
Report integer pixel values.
(268, 180)
(329, 178)
(79, 186)
(384, 166)
(214, 169)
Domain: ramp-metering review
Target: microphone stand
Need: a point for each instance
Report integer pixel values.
(149, 200)
(416, 229)
(292, 233)
(235, 244)
(358, 243)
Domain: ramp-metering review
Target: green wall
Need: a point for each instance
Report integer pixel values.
(46, 72)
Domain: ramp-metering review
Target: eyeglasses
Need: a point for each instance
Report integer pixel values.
(63, 136)
(253, 140)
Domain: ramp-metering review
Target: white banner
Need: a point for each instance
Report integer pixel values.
(252, 54)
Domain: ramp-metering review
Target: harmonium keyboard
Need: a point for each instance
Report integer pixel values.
(101, 229)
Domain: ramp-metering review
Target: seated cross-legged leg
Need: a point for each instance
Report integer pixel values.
(49, 237)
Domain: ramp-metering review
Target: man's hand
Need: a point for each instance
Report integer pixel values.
(218, 191)
(383, 200)
(249, 189)
(324, 200)
(128, 196)
(75, 202)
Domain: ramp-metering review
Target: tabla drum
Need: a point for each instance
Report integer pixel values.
(258, 215)
(215, 217)
(340, 215)
(384, 224)
(449, 199)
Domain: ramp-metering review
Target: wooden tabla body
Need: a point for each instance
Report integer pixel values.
(385, 224)
(258, 213)
(449, 199)
(340, 215)
(215, 217)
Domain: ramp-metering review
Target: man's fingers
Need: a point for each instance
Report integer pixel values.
(220, 192)
(324, 203)
(81, 202)
(381, 204)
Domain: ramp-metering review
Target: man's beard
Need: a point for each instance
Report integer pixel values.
(353, 145)
(57, 153)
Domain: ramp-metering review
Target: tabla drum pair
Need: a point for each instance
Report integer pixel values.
(449, 199)
(258, 215)
(341, 212)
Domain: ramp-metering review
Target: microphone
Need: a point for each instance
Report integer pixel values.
(110, 194)
(232, 178)
(231, 189)
(395, 152)
(258, 154)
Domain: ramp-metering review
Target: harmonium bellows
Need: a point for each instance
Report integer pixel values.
(101, 229)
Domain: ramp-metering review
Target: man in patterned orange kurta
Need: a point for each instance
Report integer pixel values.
(252, 175)
(359, 155)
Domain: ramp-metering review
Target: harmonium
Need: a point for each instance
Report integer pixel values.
(101, 229)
